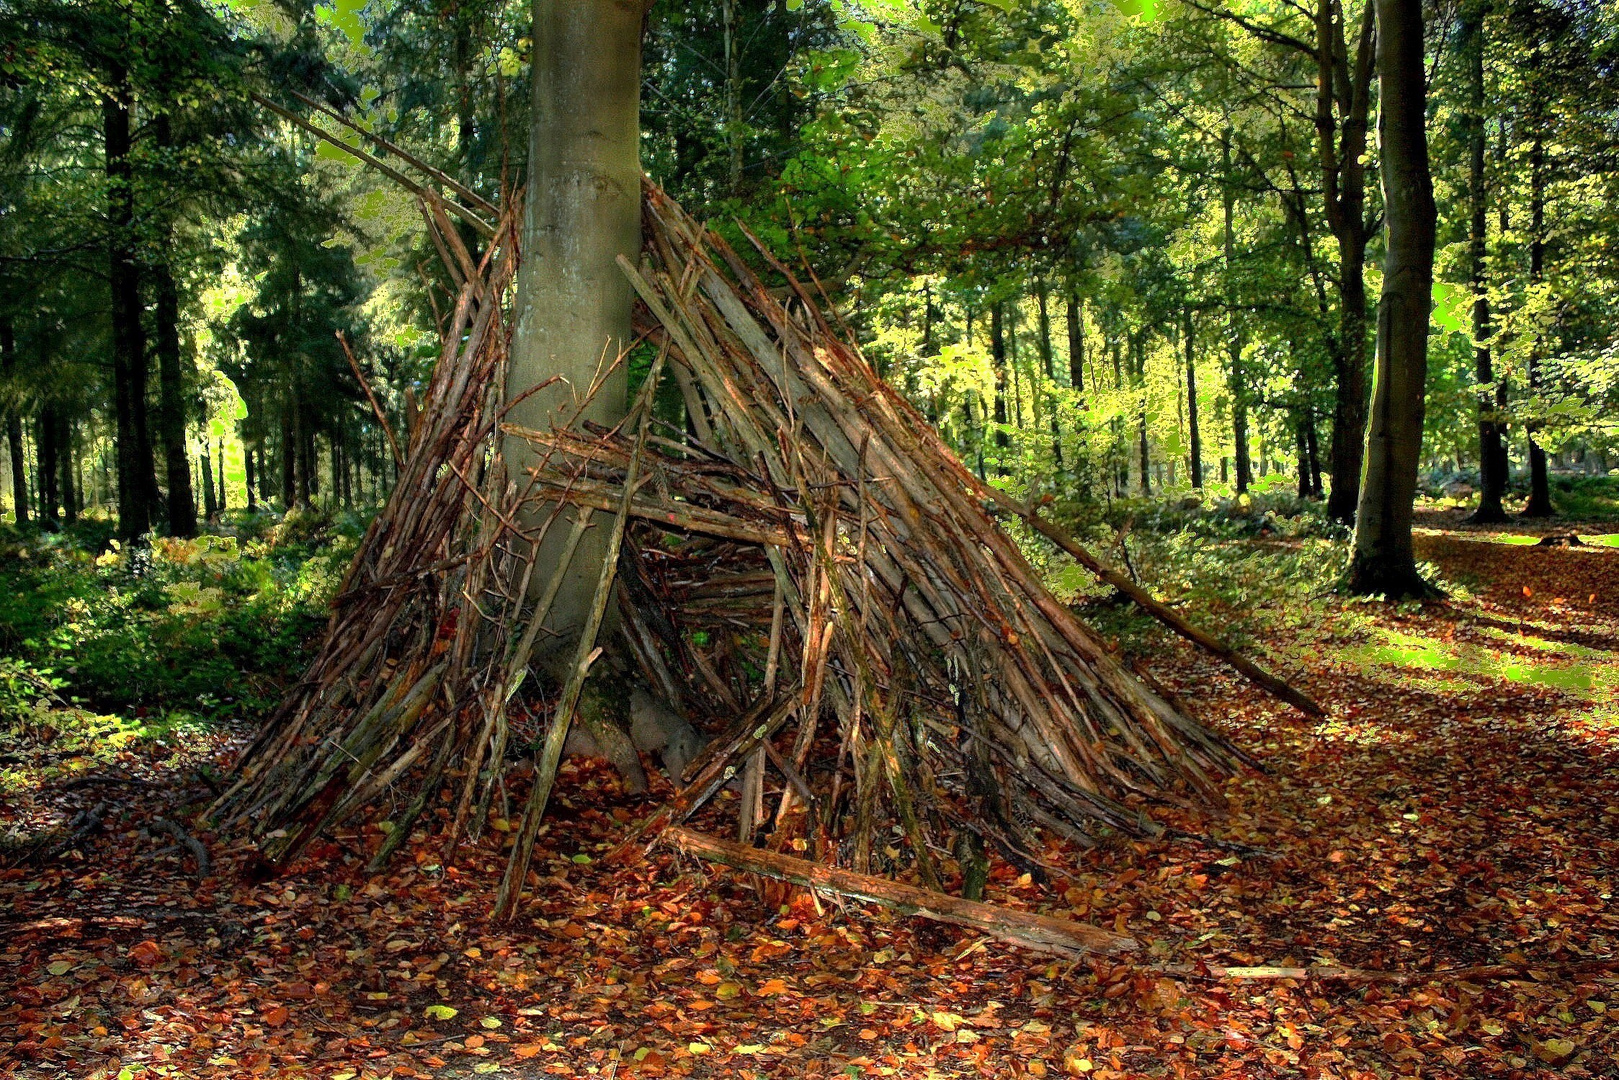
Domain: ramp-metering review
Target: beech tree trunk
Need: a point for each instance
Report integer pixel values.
(583, 213)
(1383, 560)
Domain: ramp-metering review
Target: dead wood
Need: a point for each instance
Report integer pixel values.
(800, 540)
(1040, 933)
(196, 848)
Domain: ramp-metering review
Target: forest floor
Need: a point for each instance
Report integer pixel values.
(1459, 807)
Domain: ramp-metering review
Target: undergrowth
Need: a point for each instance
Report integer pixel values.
(206, 629)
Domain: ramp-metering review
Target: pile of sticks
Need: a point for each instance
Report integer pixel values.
(796, 562)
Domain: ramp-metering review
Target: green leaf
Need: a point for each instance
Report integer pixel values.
(441, 1012)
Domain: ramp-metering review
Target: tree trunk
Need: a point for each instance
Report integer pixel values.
(1540, 493)
(247, 468)
(997, 354)
(1236, 382)
(583, 213)
(1343, 104)
(289, 454)
(1076, 345)
(182, 504)
(1491, 399)
(1383, 560)
(1196, 432)
(1139, 346)
(1048, 370)
(65, 459)
(49, 467)
(1316, 490)
(205, 469)
(19, 467)
(128, 341)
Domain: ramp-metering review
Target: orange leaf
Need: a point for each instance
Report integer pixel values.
(276, 1016)
(147, 954)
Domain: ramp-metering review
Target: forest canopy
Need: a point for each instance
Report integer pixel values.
(1110, 250)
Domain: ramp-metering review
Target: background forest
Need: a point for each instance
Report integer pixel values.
(1112, 251)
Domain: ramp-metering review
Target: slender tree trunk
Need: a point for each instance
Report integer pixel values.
(182, 505)
(205, 469)
(223, 506)
(733, 93)
(1491, 437)
(1236, 382)
(49, 467)
(19, 467)
(997, 353)
(65, 459)
(248, 469)
(1076, 345)
(1343, 105)
(289, 454)
(1120, 450)
(1540, 492)
(1195, 461)
(1383, 560)
(583, 212)
(1316, 490)
(1140, 348)
(128, 340)
(1047, 367)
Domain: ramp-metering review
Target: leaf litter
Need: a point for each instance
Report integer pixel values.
(1427, 824)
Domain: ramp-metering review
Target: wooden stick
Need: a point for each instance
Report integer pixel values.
(382, 417)
(387, 170)
(199, 853)
(1272, 684)
(1040, 933)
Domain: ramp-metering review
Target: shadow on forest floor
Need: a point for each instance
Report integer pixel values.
(1459, 805)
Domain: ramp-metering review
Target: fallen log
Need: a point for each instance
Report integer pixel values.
(1026, 929)
(1337, 973)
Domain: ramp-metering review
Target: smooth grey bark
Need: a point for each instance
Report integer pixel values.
(583, 212)
(1383, 560)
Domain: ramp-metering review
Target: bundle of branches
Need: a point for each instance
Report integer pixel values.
(797, 563)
